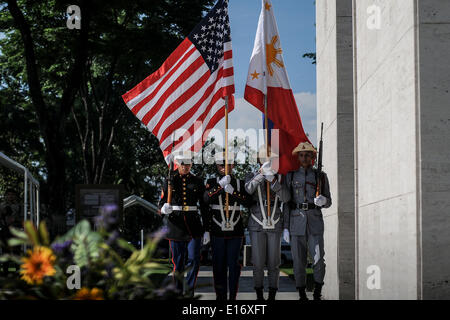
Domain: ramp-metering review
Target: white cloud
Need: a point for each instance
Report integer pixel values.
(246, 116)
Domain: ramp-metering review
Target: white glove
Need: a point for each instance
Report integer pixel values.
(320, 201)
(267, 171)
(206, 238)
(286, 235)
(229, 189)
(224, 181)
(166, 209)
(265, 166)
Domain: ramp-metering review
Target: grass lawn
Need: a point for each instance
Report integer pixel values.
(290, 271)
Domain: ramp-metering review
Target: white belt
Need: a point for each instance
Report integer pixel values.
(226, 224)
(184, 208)
(268, 222)
(218, 207)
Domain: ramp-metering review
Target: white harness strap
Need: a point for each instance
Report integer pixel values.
(234, 208)
(262, 208)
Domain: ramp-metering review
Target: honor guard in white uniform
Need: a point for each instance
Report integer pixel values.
(266, 226)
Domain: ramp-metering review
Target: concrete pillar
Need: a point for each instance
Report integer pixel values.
(434, 110)
(402, 150)
(335, 110)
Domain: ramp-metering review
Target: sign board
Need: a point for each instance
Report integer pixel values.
(92, 198)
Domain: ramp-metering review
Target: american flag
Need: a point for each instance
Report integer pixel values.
(185, 97)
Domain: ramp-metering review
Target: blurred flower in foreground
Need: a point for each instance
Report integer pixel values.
(159, 234)
(108, 217)
(89, 294)
(38, 265)
(61, 248)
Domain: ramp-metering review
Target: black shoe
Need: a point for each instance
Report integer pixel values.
(317, 291)
(259, 294)
(302, 294)
(272, 294)
(221, 297)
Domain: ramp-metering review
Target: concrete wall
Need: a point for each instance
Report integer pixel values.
(385, 115)
(386, 105)
(335, 110)
(434, 124)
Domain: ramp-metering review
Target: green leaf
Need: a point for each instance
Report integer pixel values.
(125, 245)
(31, 233)
(14, 242)
(18, 233)
(43, 233)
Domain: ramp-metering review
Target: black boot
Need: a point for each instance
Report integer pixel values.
(302, 294)
(272, 294)
(259, 294)
(221, 297)
(317, 291)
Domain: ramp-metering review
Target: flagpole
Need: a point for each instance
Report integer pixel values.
(266, 123)
(169, 182)
(226, 158)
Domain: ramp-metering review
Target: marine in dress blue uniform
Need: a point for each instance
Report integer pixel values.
(183, 219)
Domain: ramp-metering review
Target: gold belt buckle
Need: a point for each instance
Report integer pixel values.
(185, 208)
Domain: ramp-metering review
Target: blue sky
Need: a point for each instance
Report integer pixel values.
(295, 19)
(296, 25)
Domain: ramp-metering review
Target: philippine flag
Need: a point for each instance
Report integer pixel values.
(267, 80)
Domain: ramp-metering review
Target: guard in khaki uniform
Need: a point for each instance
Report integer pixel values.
(266, 228)
(303, 220)
(184, 223)
(227, 231)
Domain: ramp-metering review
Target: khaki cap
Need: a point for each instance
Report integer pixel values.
(304, 146)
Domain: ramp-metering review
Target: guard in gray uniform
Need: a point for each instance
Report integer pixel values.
(266, 228)
(303, 220)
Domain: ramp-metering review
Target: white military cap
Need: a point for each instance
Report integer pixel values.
(184, 156)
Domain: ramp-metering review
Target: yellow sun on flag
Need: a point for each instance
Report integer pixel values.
(271, 55)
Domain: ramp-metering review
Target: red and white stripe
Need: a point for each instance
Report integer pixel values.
(182, 99)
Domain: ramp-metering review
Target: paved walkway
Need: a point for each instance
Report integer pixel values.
(205, 286)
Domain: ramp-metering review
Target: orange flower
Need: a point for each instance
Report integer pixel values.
(37, 265)
(86, 294)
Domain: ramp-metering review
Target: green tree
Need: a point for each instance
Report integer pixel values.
(64, 86)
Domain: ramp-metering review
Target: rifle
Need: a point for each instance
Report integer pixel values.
(169, 181)
(319, 163)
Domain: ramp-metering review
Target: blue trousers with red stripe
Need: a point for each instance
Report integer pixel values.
(179, 250)
(225, 257)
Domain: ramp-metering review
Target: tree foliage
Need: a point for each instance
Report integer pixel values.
(60, 90)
